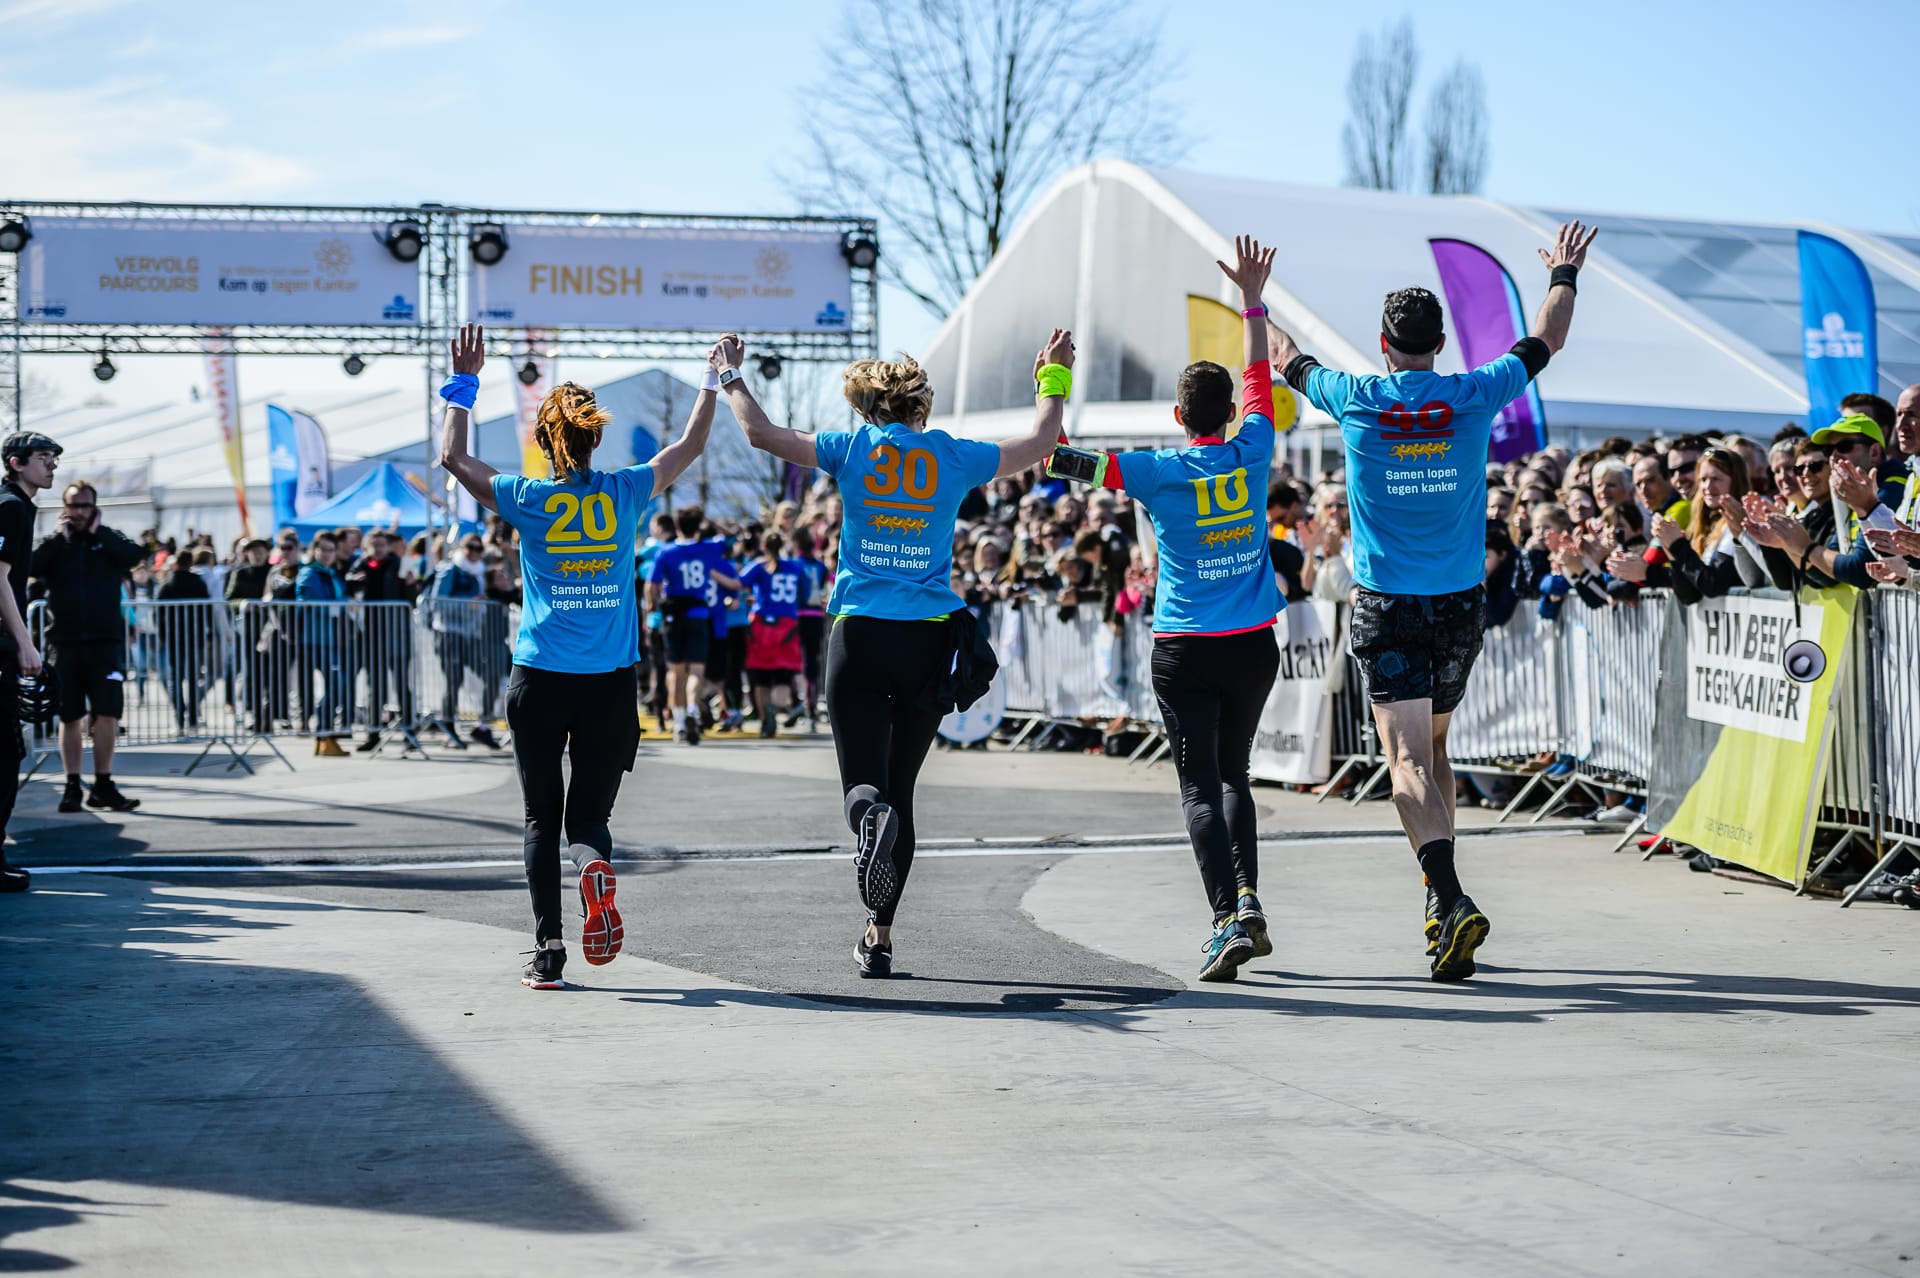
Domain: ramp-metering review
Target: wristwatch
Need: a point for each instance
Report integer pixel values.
(728, 376)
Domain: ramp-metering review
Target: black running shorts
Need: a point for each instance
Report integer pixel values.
(1418, 647)
(686, 640)
(92, 676)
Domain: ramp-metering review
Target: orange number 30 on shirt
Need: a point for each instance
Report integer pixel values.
(918, 472)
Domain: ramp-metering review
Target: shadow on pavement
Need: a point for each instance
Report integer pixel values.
(140, 1061)
(1026, 998)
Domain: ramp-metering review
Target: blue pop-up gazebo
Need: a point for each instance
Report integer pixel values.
(382, 495)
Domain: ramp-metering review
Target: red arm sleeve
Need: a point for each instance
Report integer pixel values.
(1112, 478)
(1256, 390)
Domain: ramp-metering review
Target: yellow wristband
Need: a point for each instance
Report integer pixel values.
(1054, 379)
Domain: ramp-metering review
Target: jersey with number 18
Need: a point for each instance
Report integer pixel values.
(581, 612)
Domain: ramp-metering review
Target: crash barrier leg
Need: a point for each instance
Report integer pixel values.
(1892, 625)
(1639, 824)
(460, 652)
(1900, 847)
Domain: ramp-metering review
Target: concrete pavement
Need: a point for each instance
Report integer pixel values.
(1657, 1073)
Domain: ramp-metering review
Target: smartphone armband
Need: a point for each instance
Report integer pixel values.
(1078, 465)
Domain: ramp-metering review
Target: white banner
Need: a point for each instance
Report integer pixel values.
(1295, 740)
(154, 271)
(709, 281)
(1734, 672)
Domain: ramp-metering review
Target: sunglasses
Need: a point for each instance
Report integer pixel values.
(1809, 468)
(1684, 468)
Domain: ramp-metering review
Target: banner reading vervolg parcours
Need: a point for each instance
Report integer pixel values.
(163, 271)
(1739, 748)
(670, 280)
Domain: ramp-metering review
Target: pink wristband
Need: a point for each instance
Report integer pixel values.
(1252, 311)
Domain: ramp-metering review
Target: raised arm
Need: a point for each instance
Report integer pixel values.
(1569, 254)
(788, 445)
(1049, 413)
(1249, 272)
(469, 353)
(672, 461)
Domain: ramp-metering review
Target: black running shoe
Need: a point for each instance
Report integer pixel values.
(543, 970)
(1463, 931)
(70, 800)
(483, 735)
(1254, 920)
(873, 857)
(107, 795)
(1433, 922)
(768, 726)
(13, 879)
(873, 961)
(693, 730)
(368, 746)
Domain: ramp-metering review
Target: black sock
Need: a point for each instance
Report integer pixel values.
(73, 780)
(1436, 861)
(101, 778)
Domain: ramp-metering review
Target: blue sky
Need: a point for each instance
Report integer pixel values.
(1763, 110)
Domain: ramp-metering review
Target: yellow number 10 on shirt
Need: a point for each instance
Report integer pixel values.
(595, 513)
(1229, 494)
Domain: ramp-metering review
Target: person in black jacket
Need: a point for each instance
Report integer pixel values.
(246, 592)
(185, 631)
(82, 565)
(375, 578)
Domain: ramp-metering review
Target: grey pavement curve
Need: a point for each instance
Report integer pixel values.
(303, 1070)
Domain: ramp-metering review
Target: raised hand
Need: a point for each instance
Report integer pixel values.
(1730, 510)
(469, 349)
(1887, 571)
(728, 352)
(1854, 486)
(1668, 533)
(1627, 566)
(1058, 350)
(1570, 248)
(1250, 270)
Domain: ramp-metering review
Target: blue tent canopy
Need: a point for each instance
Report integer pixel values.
(381, 495)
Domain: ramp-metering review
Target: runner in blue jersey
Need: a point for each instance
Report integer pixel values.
(1214, 654)
(572, 691)
(1416, 445)
(773, 659)
(813, 628)
(723, 607)
(681, 584)
(902, 638)
(653, 642)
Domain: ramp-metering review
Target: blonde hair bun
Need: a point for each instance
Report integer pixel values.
(890, 390)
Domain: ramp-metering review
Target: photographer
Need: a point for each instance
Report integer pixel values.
(82, 565)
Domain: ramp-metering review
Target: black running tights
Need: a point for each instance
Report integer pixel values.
(592, 719)
(877, 670)
(1211, 689)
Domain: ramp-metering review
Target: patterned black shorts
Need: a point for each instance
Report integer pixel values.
(1418, 647)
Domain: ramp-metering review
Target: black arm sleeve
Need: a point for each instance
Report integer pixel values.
(1295, 373)
(1695, 579)
(1534, 353)
(122, 549)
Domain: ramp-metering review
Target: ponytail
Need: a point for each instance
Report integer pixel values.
(568, 428)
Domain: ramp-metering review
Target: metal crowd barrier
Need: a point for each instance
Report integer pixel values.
(242, 673)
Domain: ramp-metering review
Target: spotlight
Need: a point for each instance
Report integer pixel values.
(14, 234)
(354, 365)
(104, 370)
(488, 243)
(770, 368)
(860, 250)
(405, 240)
(529, 373)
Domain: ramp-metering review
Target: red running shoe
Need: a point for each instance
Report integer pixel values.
(601, 934)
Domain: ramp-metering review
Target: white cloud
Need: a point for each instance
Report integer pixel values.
(127, 139)
(412, 37)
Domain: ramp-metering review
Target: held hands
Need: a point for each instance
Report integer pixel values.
(1667, 533)
(728, 352)
(469, 349)
(1250, 270)
(1058, 350)
(1570, 249)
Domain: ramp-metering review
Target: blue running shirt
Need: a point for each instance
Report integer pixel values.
(1417, 469)
(1208, 502)
(902, 489)
(681, 570)
(581, 613)
(776, 592)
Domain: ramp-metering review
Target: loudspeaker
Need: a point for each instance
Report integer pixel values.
(1804, 661)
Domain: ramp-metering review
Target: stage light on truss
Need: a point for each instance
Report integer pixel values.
(353, 365)
(860, 250)
(104, 370)
(405, 239)
(529, 373)
(488, 243)
(770, 368)
(14, 234)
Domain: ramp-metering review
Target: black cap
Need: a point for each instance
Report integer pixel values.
(24, 443)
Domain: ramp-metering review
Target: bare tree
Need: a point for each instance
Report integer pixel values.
(1456, 129)
(1379, 91)
(944, 117)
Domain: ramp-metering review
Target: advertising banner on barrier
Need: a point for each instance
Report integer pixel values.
(1295, 740)
(669, 280)
(1739, 749)
(158, 271)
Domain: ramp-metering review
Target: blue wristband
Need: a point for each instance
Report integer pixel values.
(461, 390)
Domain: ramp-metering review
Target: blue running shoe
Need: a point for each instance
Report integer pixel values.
(1226, 950)
(1254, 919)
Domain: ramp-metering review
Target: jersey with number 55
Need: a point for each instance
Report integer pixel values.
(901, 489)
(581, 610)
